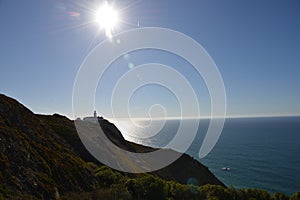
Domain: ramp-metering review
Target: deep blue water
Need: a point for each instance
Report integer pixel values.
(261, 152)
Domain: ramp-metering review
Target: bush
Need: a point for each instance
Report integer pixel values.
(118, 191)
(280, 196)
(146, 187)
(213, 191)
(258, 194)
(107, 177)
(295, 196)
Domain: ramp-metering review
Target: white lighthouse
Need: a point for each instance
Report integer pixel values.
(94, 118)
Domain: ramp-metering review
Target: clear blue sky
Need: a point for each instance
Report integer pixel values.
(255, 44)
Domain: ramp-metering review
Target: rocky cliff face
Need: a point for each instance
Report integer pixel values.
(43, 156)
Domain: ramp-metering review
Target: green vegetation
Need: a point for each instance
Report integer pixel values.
(147, 187)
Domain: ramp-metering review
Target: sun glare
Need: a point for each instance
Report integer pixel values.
(107, 18)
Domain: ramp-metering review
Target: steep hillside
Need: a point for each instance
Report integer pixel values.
(42, 156)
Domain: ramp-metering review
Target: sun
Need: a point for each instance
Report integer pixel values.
(107, 18)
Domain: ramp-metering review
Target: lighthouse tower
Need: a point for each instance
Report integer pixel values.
(95, 114)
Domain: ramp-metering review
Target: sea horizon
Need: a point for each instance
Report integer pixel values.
(112, 119)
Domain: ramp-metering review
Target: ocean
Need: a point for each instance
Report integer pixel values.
(261, 152)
